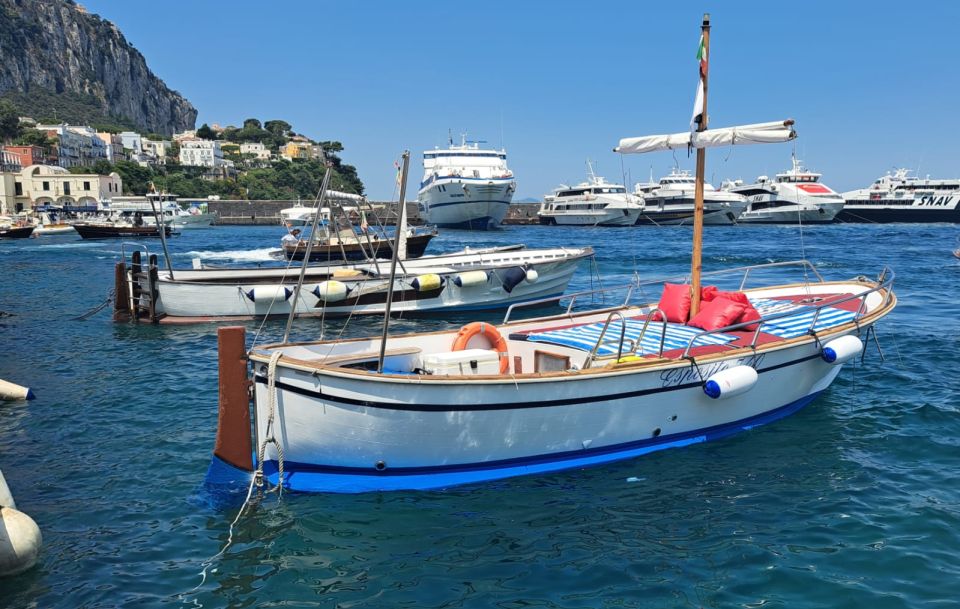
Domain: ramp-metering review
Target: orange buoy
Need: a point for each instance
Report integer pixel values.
(489, 332)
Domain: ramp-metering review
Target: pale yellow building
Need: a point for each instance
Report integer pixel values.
(300, 150)
(51, 185)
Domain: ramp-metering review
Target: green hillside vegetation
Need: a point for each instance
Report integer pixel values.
(74, 108)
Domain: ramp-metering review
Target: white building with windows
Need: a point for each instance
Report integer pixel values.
(255, 148)
(76, 145)
(201, 153)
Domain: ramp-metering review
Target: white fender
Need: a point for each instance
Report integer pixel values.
(470, 278)
(20, 537)
(532, 275)
(840, 350)
(730, 382)
(12, 391)
(331, 291)
(269, 293)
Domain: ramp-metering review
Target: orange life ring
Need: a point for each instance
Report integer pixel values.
(490, 332)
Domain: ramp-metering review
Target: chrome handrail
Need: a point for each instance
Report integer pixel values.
(663, 331)
(134, 245)
(623, 332)
(884, 281)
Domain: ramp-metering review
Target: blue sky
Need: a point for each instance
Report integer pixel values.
(872, 85)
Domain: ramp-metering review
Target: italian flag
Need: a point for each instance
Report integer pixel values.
(698, 101)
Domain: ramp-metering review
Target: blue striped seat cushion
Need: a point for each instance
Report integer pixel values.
(586, 336)
(798, 323)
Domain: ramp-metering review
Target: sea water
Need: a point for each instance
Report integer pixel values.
(852, 502)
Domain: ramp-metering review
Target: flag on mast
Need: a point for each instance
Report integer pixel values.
(697, 117)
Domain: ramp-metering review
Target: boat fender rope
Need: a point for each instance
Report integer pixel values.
(269, 437)
(97, 308)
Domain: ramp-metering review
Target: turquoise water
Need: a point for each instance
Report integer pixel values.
(852, 502)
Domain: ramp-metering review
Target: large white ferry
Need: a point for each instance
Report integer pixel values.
(900, 197)
(795, 196)
(465, 186)
(595, 202)
(670, 201)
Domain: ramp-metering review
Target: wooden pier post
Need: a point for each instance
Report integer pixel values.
(121, 293)
(234, 443)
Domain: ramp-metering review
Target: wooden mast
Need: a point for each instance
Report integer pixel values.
(695, 265)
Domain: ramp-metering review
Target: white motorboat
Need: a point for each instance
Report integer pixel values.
(465, 186)
(795, 196)
(595, 202)
(177, 218)
(460, 281)
(431, 410)
(670, 202)
(302, 215)
(900, 197)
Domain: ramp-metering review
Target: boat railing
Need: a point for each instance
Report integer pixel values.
(634, 344)
(573, 299)
(884, 282)
(134, 246)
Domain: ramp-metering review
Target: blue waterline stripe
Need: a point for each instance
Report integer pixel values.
(308, 477)
(501, 406)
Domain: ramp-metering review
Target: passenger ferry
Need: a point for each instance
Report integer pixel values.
(900, 197)
(595, 202)
(795, 196)
(670, 201)
(465, 186)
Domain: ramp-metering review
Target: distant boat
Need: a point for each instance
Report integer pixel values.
(795, 196)
(9, 230)
(900, 197)
(670, 202)
(595, 202)
(465, 187)
(174, 216)
(119, 229)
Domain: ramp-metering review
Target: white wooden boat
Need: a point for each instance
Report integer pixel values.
(431, 410)
(466, 280)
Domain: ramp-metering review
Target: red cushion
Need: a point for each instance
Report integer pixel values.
(708, 293)
(718, 313)
(749, 314)
(675, 303)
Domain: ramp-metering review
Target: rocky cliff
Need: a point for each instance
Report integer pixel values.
(55, 49)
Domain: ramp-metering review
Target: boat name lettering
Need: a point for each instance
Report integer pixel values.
(682, 376)
(941, 201)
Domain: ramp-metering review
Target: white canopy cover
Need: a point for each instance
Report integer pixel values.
(759, 133)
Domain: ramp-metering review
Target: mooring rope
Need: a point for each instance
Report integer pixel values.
(97, 308)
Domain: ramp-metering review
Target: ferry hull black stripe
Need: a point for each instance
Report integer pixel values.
(262, 380)
(882, 216)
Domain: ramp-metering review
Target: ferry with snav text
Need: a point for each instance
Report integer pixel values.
(900, 197)
(465, 186)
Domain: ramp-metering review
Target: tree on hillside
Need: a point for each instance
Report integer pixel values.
(136, 179)
(252, 123)
(9, 121)
(206, 133)
(278, 127)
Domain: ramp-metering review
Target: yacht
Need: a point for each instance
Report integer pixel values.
(900, 197)
(670, 201)
(174, 216)
(795, 196)
(465, 186)
(595, 202)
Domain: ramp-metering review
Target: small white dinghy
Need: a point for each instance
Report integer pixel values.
(437, 409)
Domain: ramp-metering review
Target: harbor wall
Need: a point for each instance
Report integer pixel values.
(239, 212)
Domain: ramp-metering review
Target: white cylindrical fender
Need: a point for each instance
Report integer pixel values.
(12, 391)
(331, 291)
(730, 382)
(840, 350)
(532, 275)
(470, 278)
(20, 541)
(269, 293)
(428, 281)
